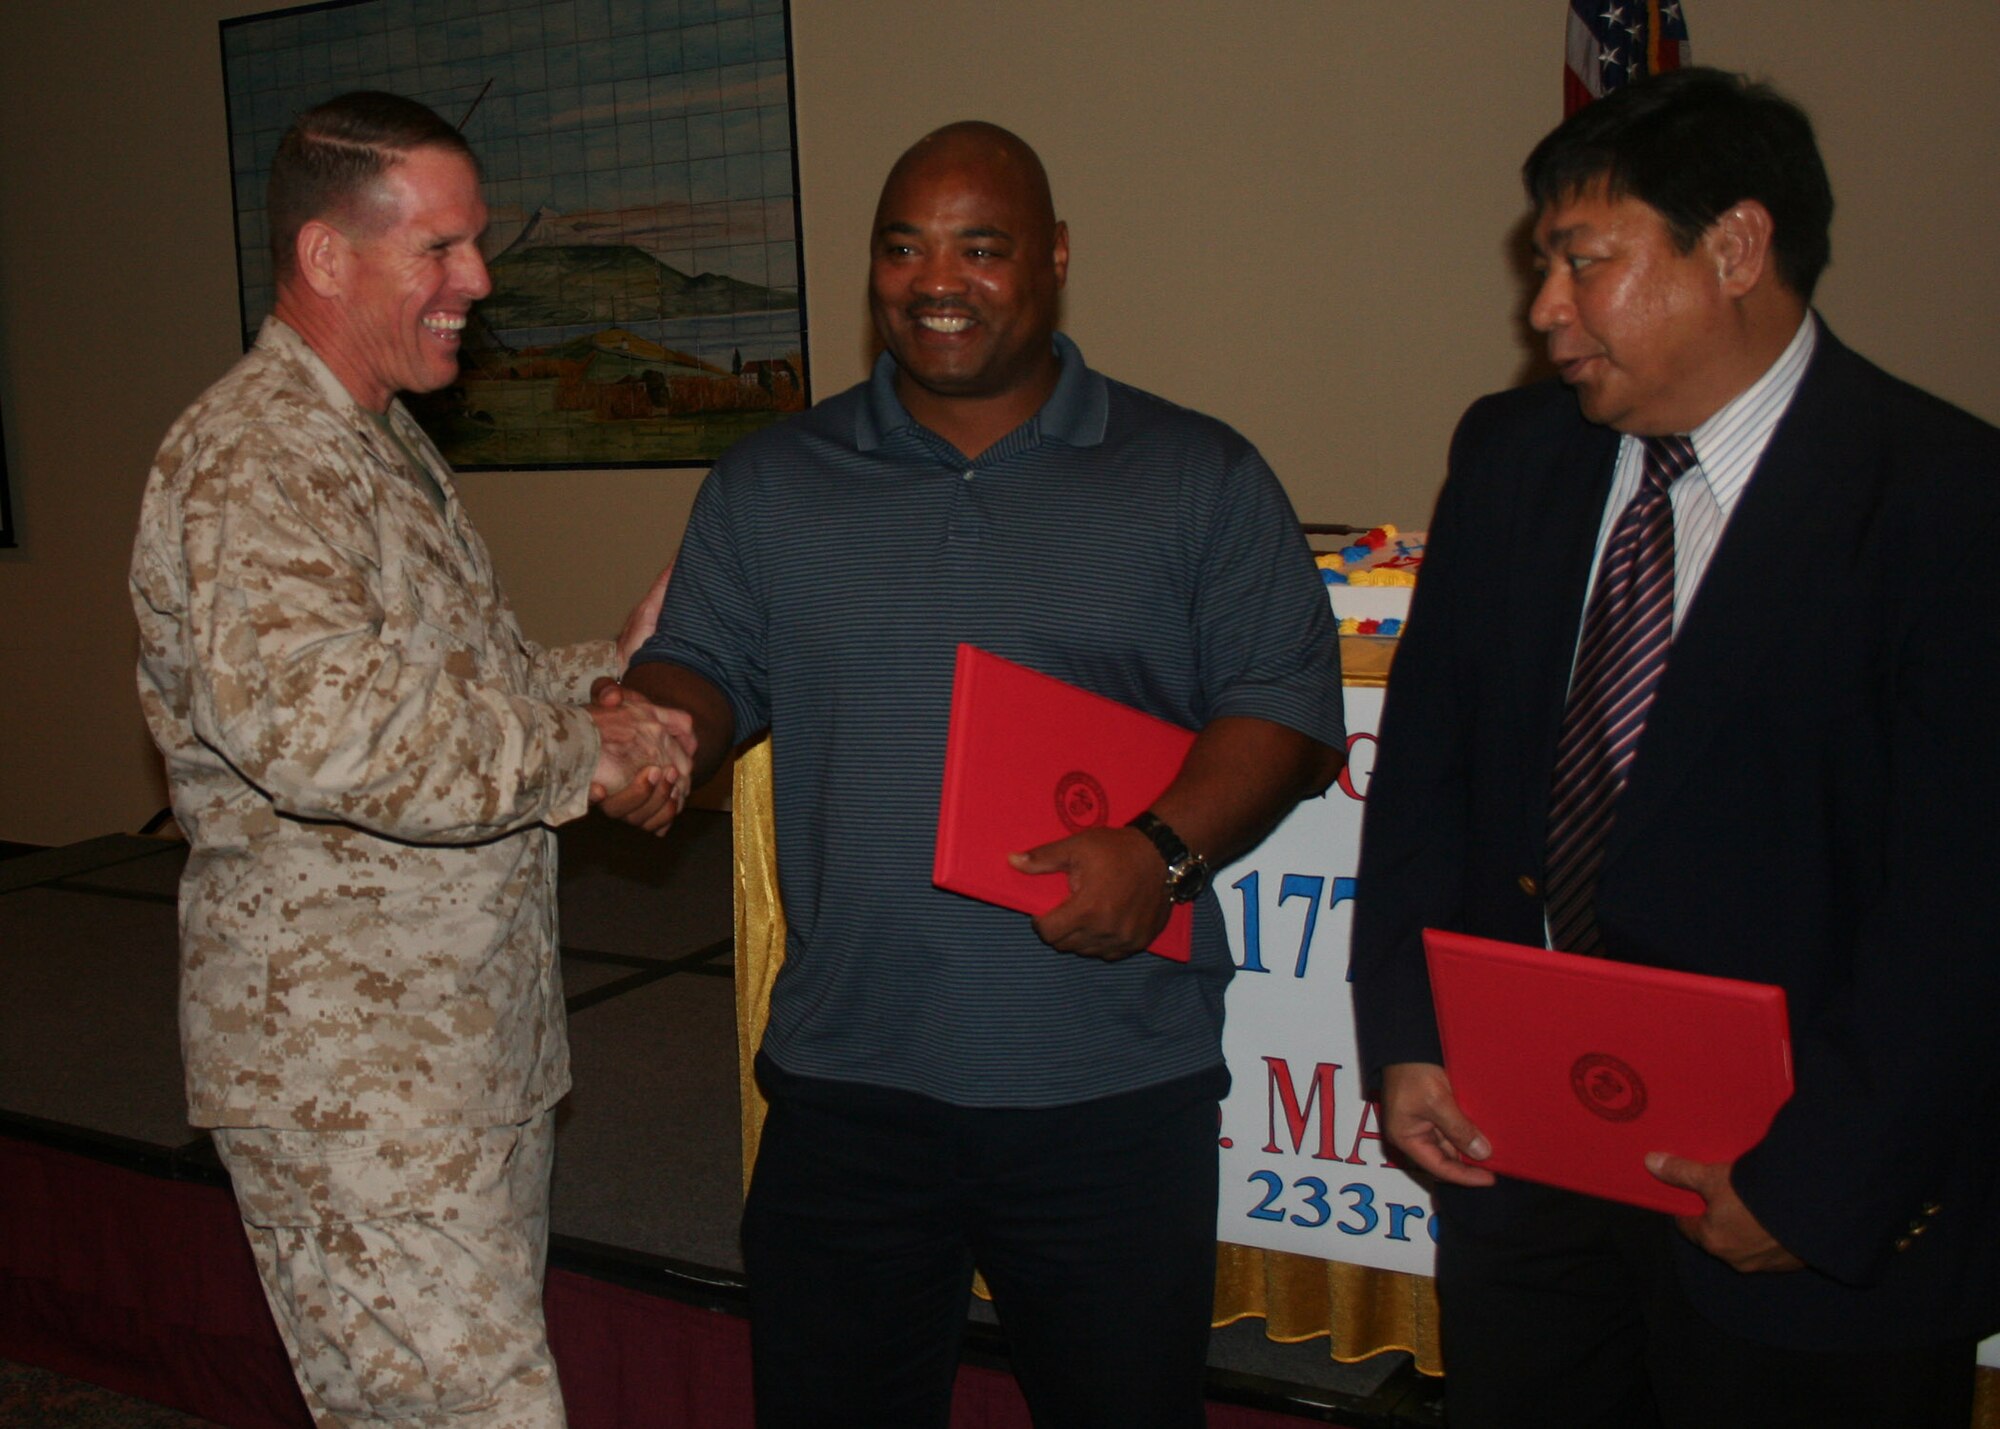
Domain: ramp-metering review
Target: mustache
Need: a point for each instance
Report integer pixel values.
(940, 307)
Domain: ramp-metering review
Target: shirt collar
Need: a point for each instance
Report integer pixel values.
(395, 427)
(1076, 413)
(279, 336)
(1729, 443)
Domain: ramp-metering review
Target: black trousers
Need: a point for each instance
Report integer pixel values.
(1564, 1310)
(1094, 1225)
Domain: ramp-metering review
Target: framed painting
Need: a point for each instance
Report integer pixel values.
(6, 511)
(648, 304)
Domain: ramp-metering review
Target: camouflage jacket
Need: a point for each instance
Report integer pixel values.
(365, 755)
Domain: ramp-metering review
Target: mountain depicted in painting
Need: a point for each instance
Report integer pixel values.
(546, 278)
(557, 286)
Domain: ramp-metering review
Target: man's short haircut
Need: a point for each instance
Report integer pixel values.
(1691, 144)
(334, 154)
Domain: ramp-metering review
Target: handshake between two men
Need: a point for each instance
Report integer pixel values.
(645, 757)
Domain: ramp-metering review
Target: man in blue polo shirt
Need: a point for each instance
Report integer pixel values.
(953, 1084)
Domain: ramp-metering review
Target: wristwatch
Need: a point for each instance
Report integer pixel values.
(1187, 872)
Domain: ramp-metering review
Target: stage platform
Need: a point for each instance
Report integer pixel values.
(647, 1180)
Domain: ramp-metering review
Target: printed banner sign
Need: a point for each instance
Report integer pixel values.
(1304, 1165)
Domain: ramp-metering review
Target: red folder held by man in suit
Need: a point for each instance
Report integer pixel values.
(1031, 759)
(1573, 1068)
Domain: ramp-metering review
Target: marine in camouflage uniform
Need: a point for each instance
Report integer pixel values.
(366, 756)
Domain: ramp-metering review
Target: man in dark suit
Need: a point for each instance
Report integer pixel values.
(1794, 785)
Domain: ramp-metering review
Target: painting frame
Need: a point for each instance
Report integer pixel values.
(8, 541)
(640, 167)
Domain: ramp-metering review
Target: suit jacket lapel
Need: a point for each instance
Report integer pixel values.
(1561, 519)
(1759, 584)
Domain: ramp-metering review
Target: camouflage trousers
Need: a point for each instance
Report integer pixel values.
(404, 1269)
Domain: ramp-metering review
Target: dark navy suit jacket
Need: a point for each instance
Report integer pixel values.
(1815, 802)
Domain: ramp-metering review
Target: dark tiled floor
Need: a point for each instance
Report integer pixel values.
(33, 1398)
(649, 1150)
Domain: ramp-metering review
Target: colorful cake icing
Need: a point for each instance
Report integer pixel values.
(1385, 561)
(1381, 558)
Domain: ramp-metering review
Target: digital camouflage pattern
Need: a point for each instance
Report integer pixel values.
(405, 1269)
(365, 755)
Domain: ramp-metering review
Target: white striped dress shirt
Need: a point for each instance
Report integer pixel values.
(1728, 446)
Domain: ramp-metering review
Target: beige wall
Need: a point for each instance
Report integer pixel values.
(1294, 213)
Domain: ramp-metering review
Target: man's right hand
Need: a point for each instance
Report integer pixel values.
(1420, 1115)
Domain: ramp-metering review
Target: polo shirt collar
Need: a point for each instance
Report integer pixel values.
(1076, 413)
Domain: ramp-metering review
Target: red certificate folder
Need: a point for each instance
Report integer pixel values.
(1031, 759)
(1575, 1068)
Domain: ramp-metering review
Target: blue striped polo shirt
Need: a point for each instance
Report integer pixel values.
(831, 567)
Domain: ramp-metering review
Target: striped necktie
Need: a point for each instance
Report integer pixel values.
(1619, 657)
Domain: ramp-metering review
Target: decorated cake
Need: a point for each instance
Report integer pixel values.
(1369, 581)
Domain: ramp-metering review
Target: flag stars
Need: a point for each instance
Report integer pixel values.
(1622, 43)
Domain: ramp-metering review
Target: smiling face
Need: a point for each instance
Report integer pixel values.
(967, 259)
(1643, 332)
(410, 272)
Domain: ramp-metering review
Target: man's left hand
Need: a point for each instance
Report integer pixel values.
(1117, 900)
(645, 617)
(1726, 1229)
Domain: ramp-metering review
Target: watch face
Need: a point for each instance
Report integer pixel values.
(1187, 880)
(1187, 871)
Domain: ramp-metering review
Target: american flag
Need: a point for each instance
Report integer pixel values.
(1613, 42)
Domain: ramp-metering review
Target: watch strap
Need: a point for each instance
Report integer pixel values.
(1187, 871)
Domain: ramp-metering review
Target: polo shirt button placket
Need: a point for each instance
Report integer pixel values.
(965, 522)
